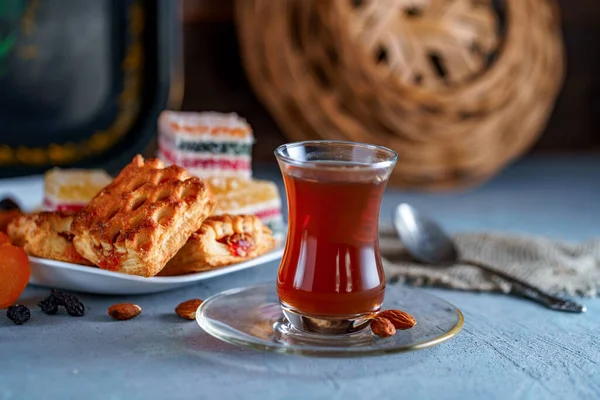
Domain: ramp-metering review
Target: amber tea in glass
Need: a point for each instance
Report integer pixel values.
(331, 278)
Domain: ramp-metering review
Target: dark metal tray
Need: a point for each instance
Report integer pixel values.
(82, 82)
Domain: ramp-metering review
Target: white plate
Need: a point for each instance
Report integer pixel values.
(28, 192)
(81, 278)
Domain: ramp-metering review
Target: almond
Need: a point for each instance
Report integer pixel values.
(382, 327)
(124, 311)
(400, 319)
(187, 309)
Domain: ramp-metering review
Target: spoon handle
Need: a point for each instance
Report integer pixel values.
(531, 292)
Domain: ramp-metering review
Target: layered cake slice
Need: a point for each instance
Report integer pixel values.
(71, 190)
(248, 197)
(206, 143)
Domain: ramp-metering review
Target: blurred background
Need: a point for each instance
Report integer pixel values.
(459, 88)
(213, 66)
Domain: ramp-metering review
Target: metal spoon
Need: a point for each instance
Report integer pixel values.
(426, 242)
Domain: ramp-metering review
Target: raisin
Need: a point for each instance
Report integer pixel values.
(48, 305)
(71, 303)
(18, 314)
(8, 204)
(75, 309)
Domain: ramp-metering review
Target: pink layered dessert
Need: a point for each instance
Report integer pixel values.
(206, 143)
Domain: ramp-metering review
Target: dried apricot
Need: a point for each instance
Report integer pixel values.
(4, 239)
(6, 217)
(14, 274)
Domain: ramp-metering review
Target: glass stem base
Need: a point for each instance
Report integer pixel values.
(326, 324)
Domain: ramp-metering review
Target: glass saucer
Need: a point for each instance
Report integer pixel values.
(252, 317)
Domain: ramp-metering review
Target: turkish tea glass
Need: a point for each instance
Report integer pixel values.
(331, 279)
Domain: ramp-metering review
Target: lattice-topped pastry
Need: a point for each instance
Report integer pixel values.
(141, 220)
(222, 240)
(46, 235)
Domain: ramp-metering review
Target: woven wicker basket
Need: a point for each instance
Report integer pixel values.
(457, 88)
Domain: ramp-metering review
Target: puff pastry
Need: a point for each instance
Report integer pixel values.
(46, 235)
(142, 218)
(222, 240)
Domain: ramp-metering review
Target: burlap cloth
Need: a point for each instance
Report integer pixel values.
(555, 266)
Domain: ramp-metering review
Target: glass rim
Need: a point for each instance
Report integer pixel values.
(307, 164)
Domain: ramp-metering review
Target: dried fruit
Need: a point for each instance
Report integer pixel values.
(8, 204)
(187, 309)
(57, 298)
(382, 327)
(400, 319)
(4, 239)
(14, 273)
(48, 305)
(124, 311)
(18, 314)
(74, 307)
(6, 218)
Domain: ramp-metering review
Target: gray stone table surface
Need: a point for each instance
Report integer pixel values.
(509, 348)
